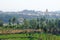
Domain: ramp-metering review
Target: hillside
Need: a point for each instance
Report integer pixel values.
(27, 14)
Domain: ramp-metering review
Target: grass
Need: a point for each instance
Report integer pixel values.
(36, 36)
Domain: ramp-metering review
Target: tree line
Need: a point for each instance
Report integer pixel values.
(43, 23)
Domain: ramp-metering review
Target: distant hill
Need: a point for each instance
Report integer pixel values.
(27, 14)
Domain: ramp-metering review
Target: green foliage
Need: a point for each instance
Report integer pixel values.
(47, 25)
(50, 27)
(33, 24)
(1, 23)
(26, 23)
(35, 36)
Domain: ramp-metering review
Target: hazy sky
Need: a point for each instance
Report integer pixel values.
(18, 5)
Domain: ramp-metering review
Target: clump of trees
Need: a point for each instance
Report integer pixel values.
(46, 24)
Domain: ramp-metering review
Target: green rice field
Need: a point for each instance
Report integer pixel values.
(30, 36)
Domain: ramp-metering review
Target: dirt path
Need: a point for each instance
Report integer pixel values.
(19, 31)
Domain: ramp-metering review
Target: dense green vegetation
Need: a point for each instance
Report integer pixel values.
(50, 27)
(32, 36)
(47, 25)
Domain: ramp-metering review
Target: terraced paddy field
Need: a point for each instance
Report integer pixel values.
(30, 36)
